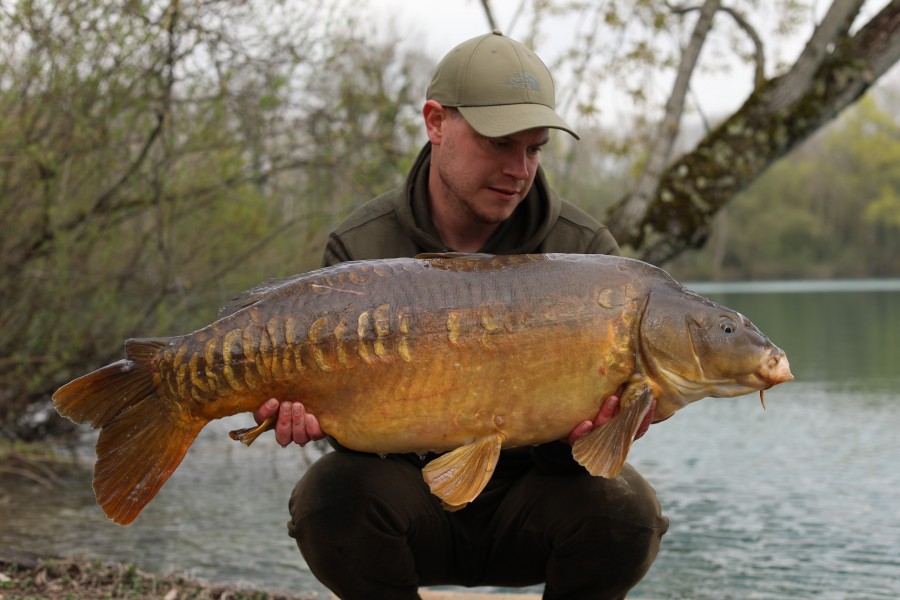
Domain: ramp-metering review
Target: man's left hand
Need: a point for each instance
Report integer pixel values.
(609, 410)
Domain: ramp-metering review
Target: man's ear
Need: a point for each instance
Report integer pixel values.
(435, 116)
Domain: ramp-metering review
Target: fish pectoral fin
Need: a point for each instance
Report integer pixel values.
(603, 451)
(458, 476)
(248, 435)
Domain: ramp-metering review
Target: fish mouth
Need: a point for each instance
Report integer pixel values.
(775, 369)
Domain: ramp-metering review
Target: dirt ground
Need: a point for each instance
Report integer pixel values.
(27, 576)
(31, 578)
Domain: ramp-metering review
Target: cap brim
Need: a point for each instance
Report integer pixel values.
(507, 119)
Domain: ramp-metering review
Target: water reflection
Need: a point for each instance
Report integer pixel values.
(844, 337)
(222, 516)
(797, 501)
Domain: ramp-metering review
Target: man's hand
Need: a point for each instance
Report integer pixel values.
(609, 410)
(294, 423)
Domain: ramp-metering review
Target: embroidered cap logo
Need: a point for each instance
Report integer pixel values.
(525, 81)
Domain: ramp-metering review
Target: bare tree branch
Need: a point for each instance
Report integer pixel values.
(660, 150)
(759, 55)
(758, 47)
(833, 27)
(489, 14)
(102, 203)
(696, 186)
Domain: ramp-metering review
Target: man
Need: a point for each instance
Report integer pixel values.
(368, 526)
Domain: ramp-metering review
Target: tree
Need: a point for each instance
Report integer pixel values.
(157, 158)
(828, 210)
(672, 203)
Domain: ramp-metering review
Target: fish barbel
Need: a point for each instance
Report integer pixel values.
(462, 354)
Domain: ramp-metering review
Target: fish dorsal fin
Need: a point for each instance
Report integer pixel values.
(458, 476)
(602, 451)
(257, 293)
(453, 255)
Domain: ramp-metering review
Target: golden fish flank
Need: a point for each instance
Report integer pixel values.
(464, 354)
(454, 327)
(275, 347)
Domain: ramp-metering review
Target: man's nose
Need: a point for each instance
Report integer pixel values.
(517, 165)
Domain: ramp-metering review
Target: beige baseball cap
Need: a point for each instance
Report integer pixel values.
(499, 86)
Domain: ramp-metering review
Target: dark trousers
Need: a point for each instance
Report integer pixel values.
(369, 529)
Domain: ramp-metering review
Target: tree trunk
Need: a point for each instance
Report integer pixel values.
(693, 189)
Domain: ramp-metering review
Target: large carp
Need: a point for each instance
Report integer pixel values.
(461, 353)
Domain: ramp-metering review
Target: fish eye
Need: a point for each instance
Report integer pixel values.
(727, 324)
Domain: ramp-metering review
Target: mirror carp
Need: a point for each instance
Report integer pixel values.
(460, 354)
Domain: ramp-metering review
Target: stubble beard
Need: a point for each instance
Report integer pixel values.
(463, 205)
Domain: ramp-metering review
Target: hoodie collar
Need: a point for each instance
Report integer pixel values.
(522, 233)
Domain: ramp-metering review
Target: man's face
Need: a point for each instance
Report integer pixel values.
(484, 179)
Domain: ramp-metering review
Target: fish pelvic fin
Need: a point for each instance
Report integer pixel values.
(248, 435)
(143, 436)
(603, 451)
(458, 476)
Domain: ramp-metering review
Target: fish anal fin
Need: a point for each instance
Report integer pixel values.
(603, 451)
(458, 476)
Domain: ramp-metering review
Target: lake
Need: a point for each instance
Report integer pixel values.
(800, 500)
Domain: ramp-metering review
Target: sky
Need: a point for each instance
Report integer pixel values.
(436, 26)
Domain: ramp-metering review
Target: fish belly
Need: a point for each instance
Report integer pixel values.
(448, 386)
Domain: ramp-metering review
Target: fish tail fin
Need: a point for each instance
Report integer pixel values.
(142, 440)
(603, 451)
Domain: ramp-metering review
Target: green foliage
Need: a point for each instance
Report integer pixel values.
(884, 210)
(829, 209)
(158, 158)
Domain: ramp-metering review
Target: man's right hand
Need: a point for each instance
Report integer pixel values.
(294, 424)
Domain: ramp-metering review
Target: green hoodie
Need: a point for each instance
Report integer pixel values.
(398, 224)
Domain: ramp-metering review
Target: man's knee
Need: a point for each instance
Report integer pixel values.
(621, 512)
(343, 488)
(636, 500)
(612, 539)
(355, 512)
(592, 537)
(562, 500)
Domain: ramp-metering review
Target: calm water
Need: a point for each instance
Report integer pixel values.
(801, 500)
